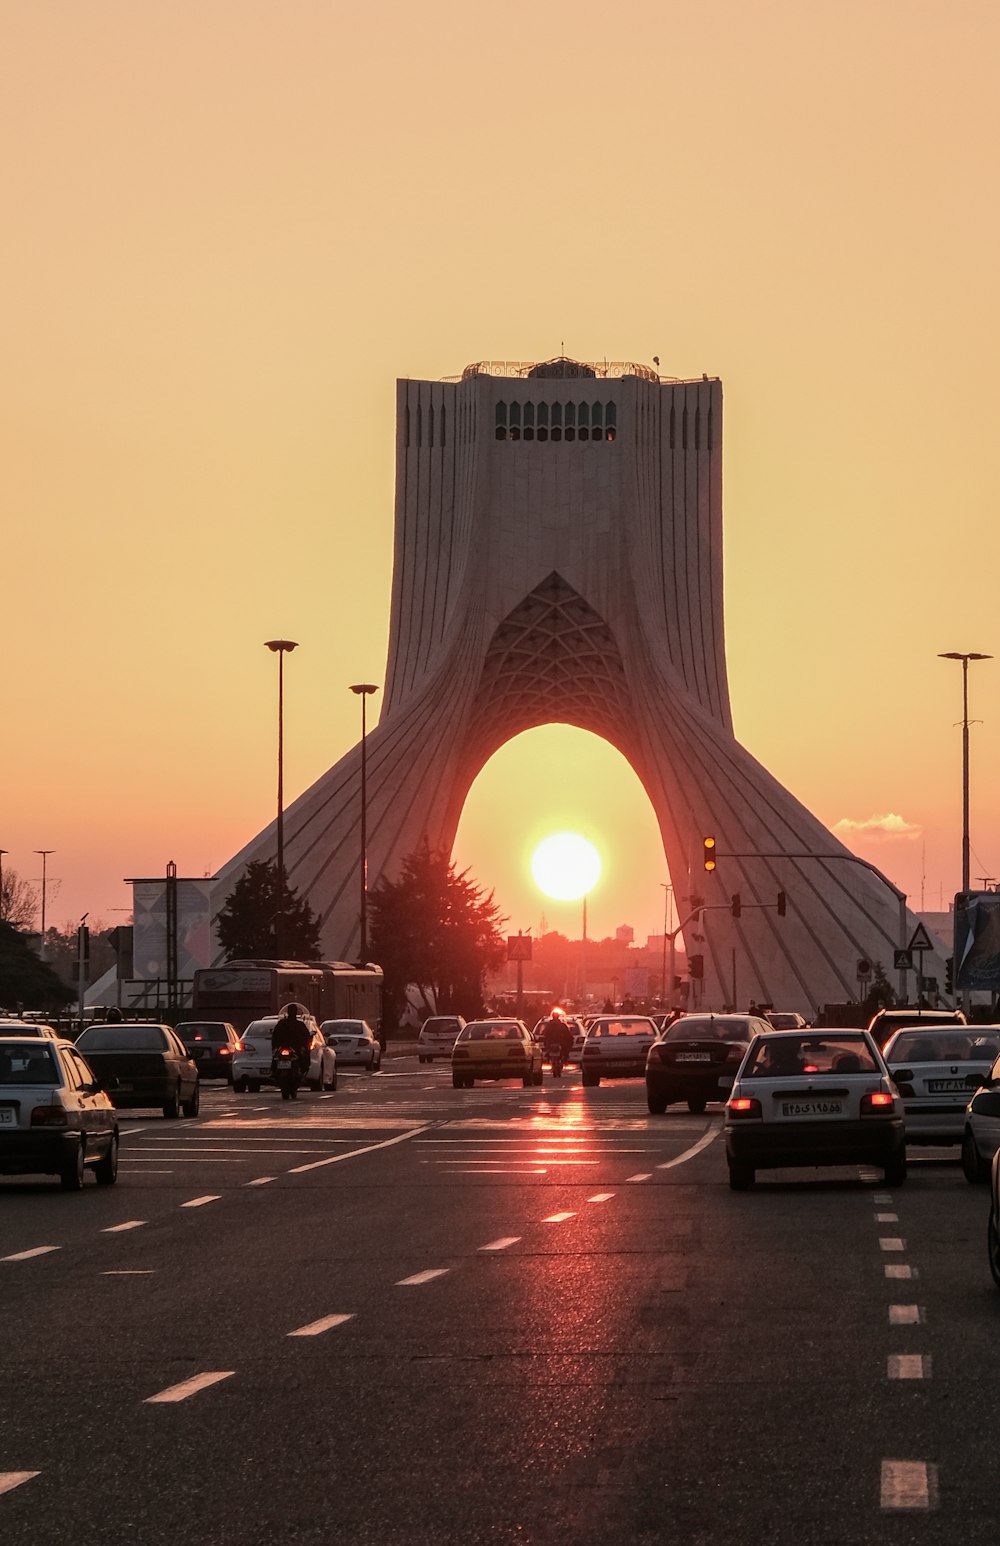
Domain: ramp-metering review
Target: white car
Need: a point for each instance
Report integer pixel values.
(354, 1042)
(252, 1060)
(813, 1098)
(54, 1117)
(437, 1037)
(615, 1047)
(938, 1071)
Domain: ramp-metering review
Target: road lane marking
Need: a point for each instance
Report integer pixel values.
(199, 1202)
(189, 1387)
(499, 1170)
(899, 1271)
(702, 1143)
(422, 1277)
(11, 1479)
(642, 1176)
(908, 1366)
(314, 1328)
(370, 1148)
(881, 1197)
(501, 1244)
(887, 1218)
(558, 1218)
(130, 1132)
(36, 1250)
(261, 1180)
(601, 1197)
(904, 1315)
(119, 1229)
(908, 1484)
(891, 1243)
(128, 1272)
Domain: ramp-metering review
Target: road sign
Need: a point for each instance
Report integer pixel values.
(864, 968)
(519, 947)
(920, 939)
(902, 960)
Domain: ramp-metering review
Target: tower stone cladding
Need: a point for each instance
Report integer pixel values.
(558, 558)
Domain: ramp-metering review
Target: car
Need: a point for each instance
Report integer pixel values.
(693, 1054)
(437, 1037)
(355, 1044)
(495, 1049)
(981, 1135)
(937, 1072)
(993, 1226)
(140, 1064)
(212, 1044)
(785, 1020)
(813, 1098)
(26, 1028)
(616, 1047)
(252, 1059)
(887, 1021)
(55, 1119)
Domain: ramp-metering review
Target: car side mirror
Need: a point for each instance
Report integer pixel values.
(726, 1082)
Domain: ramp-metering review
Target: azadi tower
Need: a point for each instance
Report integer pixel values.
(558, 557)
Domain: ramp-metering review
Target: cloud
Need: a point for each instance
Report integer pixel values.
(887, 826)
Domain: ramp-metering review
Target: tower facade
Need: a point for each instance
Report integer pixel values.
(558, 558)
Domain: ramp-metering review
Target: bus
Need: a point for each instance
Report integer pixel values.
(242, 991)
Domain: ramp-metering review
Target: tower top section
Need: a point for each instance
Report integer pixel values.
(562, 368)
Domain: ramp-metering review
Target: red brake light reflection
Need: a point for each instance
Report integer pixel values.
(741, 1103)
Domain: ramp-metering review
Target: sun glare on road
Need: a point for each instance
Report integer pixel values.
(566, 866)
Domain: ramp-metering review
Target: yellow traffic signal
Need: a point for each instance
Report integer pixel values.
(710, 853)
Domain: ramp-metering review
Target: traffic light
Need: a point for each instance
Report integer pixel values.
(737, 904)
(696, 966)
(949, 975)
(710, 854)
(781, 904)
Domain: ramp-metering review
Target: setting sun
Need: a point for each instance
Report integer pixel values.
(566, 866)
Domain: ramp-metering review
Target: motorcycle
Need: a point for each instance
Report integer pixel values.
(285, 1072)
(557, 1059)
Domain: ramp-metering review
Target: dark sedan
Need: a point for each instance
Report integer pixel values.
(211, 1043)
(692, 1055)
(142, 1065)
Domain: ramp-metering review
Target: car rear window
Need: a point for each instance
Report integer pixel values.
(490, 1031)
(636, 1027)
(27, 1064)
(437, 1026)
(945, 1046)
(708, 1030)
(123, 1038)
(210, 1031)
(784, 1056)
(342, 1028)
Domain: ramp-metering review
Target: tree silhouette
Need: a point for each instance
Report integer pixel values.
(26, 980)
(247, 920)
(436, 929)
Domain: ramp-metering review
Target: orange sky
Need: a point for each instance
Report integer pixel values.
(231, 224)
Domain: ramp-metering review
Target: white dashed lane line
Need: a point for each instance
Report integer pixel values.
(601, 1197)
(422, 1277)
(315, 1328)
(900, 1270)
(643, 1176)
(891, 1243)
(189, 1387)
(908, 1366)
(908, 1484)
(887, 1218)
(119, 1229)
(905, 1315)
(11, 1479)
(199, 1202)
(261, 1180)
(129, 1272)
(501, 1244)
(37, 1250)
(558, 1218)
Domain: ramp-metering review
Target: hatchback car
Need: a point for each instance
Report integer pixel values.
(616, 1047)
(252, 1059)
(887, 1021)
(813, 1098)
(937, 1073)
(54, 1117)
(692, 1056)
(438, 1036)
(495, 1049)
(355, 1044)
(26, 1028)
(212, 1044)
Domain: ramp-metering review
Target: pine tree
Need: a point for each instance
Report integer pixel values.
(247, 920)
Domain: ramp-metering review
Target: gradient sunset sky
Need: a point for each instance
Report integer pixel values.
(230, 225)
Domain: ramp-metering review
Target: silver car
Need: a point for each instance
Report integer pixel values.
(54, 1117)
(938, 1071)
(252, 1060)
(354, 1042)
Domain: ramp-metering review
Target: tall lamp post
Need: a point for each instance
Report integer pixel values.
(45, 854)
(280, 647)
(3, 912)
(363, 689)
(956, 655)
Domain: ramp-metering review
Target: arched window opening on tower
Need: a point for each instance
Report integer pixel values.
(501, 421)
(546, 421)
(529, 421)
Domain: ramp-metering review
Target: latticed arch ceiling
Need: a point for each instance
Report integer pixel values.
(552, 659)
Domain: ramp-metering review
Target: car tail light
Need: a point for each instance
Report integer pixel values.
(49, 1116)
(239, 1047)
(742, 1106)
(284, 1052)
(225, 1052)
(877, 1102)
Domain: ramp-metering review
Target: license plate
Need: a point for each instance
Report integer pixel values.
(6, 1116)
(694, 1057)
(812, 1108)
(284, 1062)
(947, 1086)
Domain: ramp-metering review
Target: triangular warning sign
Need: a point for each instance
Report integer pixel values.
(921, 940)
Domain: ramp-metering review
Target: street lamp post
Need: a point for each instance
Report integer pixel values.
(3, 911)
(956, 655)
(45, 854)
(280, 647)
(363, 689)
(668, 898)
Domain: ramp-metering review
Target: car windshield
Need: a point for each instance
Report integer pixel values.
(488, 1030)
(122, 1038)
(953, 1045)
(27, 1064)
(638, 1026)
(781, 1056)
(708, 1030)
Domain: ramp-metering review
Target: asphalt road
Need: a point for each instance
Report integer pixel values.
(405, 1314)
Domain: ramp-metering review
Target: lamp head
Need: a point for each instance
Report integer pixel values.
(279, 646)
(364, 687)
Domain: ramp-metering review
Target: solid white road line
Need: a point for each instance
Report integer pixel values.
(601, 1197)
(558, 1218)
(129, 1272)
(908, 1366)
(904, 1315)
(887, 1218)
(422, 1277)
(501, 1244)
(499, 1170)
(891, 1243)
(189, 1387)
(642, 1176)
(315, 1327)
(370, 1148)
(119, 1229)
(703, 1143)
(897, 1270)
(908, 1484)
(38, 1250)
(11, 1479)
(199, 1202)
(260, 1181)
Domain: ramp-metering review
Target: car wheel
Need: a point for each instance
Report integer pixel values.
(314, 1084)
(71, 1174)
(741, 1177)
(993, 1248)
(591, 1081)
(191, 1107)
(172, 1107)
(239, 1086)
(895, 1171)
(656, 1103)
(696, 1104)
(253, 1085)
(106, 1169)
(457, 1082)
(420, 1058)
(974, 1167)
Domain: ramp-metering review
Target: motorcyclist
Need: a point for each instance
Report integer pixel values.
(556, 1034)
(290, 1031)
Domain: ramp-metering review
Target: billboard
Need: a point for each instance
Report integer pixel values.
(977, 941)
(194, 927)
